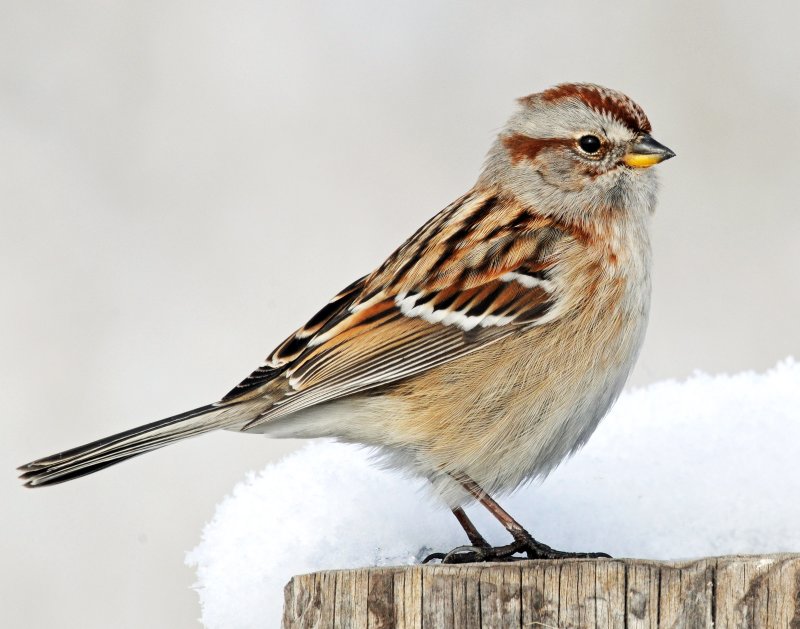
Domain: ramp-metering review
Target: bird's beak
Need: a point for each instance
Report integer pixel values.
(644, 152)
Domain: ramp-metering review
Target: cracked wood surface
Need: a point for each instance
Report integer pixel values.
(760, 591)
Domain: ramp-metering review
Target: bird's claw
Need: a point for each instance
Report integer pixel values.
(432, 556)
(461, 554)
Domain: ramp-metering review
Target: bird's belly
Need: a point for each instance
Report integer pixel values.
(514, 410)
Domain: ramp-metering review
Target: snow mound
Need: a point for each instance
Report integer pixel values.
(678, 469)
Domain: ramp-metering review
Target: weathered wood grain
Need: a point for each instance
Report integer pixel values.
(737, 592)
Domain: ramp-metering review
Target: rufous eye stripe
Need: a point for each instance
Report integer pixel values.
(521, 147)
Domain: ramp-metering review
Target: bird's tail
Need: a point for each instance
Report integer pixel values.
(102, 453)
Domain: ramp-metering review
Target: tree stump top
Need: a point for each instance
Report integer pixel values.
(737, 591)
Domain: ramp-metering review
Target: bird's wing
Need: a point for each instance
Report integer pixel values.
(475, 273)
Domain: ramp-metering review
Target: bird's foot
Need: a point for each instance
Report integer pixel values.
(523, 544)
(467, 554)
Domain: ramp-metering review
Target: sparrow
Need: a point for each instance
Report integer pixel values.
(489, 345)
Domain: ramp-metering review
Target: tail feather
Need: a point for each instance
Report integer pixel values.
(97, 455)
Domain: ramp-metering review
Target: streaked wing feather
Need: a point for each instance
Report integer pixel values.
(471, 276)
(415, 354)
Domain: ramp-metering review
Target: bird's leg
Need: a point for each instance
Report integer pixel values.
(523, 541)
(475, 538)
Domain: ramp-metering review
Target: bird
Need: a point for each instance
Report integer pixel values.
(487, 347)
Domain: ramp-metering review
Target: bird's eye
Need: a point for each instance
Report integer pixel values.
(590, 143)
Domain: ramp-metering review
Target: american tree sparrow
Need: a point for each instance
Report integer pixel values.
(490, 344)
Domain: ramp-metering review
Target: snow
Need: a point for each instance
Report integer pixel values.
(708, 466)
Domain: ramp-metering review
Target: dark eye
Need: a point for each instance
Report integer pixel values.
(590, 143)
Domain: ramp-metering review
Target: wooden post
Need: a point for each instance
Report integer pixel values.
(741, 592)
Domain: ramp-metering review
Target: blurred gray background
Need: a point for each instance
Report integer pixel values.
(183, 183)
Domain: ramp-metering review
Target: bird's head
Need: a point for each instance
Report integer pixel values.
(576, 149)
